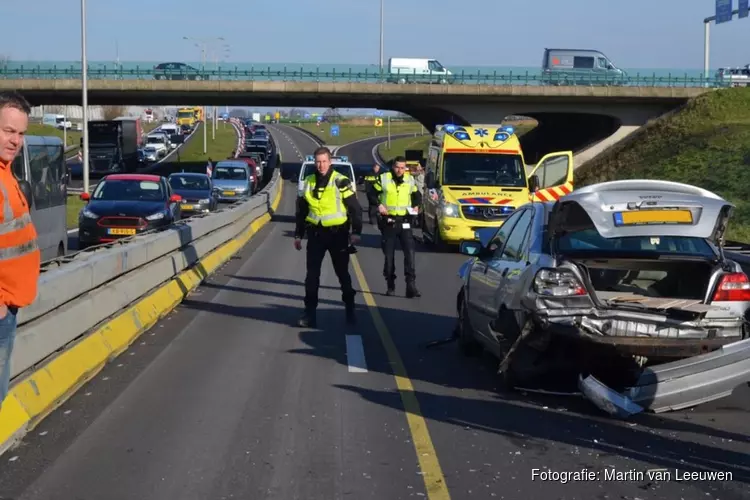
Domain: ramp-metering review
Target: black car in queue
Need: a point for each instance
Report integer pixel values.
(123, 205)
(196, 191)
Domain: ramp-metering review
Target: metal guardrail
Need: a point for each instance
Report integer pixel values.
(351, 75)
(94, 286)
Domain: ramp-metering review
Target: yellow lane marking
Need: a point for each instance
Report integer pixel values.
(432, 473)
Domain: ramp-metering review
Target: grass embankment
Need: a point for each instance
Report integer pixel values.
(706, 143)
(399, 146)
(73, 139)
(217, 149)
(355, 130)
(73, 208)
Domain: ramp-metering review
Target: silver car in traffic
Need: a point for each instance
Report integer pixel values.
(232, 180)
(622, 287)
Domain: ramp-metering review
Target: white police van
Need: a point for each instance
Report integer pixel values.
(340, 164)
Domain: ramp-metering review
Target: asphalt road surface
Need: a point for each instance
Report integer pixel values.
(226, 398)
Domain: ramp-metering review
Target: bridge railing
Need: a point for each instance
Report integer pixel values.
(349, 75)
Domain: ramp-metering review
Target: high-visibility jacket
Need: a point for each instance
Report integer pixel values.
(329, 209)
(396, 197)
(19, 251)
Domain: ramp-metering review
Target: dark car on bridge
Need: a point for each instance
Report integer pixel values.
(196, 191)
(178, 71)
(124, 205)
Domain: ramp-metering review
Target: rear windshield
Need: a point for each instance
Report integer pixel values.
(589, 240)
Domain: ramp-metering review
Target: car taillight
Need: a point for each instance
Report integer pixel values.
(557, 283)
(734, 287)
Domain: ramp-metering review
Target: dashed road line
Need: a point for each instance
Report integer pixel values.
(355, 354)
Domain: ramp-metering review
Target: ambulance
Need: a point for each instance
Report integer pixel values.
(479, 177)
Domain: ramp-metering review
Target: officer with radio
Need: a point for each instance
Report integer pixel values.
(372, 194)
(399, 202)
(327, 208)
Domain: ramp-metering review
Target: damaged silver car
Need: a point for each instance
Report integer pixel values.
(620, 289)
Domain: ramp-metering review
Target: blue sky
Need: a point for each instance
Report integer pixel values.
(634, 34)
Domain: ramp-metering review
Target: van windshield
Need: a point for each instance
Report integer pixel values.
(483, 169)
(338, 167)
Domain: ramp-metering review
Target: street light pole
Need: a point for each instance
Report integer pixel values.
(381, 36)
(84, 100)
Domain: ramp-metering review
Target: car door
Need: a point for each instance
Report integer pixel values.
(554, 173)
(502, 269)
(505, 275)
(482, 287)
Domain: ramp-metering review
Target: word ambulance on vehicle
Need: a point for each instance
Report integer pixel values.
(480, 177)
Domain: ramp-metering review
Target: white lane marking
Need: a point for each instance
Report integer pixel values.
(355, 354)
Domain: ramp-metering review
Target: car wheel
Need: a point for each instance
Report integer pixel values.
(467, 341)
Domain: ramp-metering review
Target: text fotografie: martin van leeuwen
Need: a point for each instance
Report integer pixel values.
(665, 475)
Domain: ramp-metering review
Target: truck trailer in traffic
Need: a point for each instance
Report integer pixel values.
(113, 145)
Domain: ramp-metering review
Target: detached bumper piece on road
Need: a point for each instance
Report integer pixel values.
(109, 229)
(676, 385)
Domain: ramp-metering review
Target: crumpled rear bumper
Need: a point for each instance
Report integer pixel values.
(676, 385)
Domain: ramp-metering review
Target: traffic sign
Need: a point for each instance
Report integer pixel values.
(378, 122)
(743, 6)
(724, 11)
(334, 130)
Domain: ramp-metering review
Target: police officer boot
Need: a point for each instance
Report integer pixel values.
(391, 288)
(411, 290)
(350, 317)
(308, 320)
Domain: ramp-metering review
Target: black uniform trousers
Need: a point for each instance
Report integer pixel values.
(393, 232)
(372, 202)
(335, 241)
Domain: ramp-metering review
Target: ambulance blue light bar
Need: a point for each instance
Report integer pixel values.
(501, 136)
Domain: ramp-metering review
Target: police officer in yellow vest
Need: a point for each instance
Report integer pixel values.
(398, 195)
(327, 207)
(372, 194)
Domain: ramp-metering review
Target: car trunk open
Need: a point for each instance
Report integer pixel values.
(648, 283)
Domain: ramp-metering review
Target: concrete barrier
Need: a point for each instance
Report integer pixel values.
(105, 320)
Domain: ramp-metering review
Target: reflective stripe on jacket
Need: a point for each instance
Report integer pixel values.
(396, 197)
(19, 251)
(329, 209)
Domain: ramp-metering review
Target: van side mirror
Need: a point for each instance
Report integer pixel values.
(533, 183)
(25, 187)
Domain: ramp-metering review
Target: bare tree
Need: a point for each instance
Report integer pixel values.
(112, 112)
(332, 115)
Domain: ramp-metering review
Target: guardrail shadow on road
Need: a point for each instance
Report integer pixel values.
(513, 415)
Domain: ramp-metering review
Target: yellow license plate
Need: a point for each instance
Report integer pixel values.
(653, 217)
(188, 207)
(120, 231)
(229, 193)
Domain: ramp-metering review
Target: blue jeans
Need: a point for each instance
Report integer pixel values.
(7, 338)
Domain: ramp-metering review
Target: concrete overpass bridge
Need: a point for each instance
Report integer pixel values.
(586, 119)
